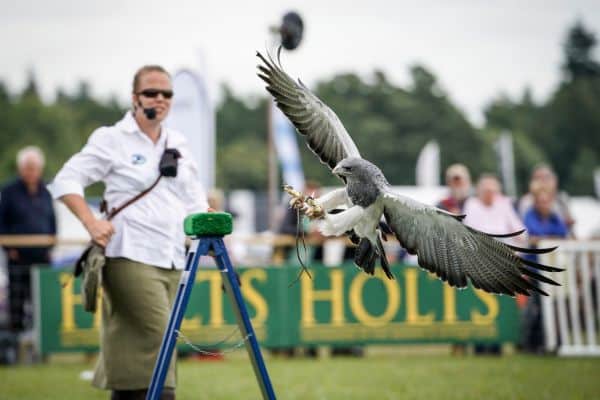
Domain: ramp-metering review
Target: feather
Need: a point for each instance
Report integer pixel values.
(325, 134)
(384, 262)
(455, 252)
(540, 266)
(532, 251)
(458, 217)
(505, 235)
(537, 276)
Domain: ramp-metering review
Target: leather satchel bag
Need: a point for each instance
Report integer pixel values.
(89, 265)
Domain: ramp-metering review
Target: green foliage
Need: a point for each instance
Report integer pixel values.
(527, 156)
(60, 128)
(241, 118)
(582, 170)
(565, 130)
(518, 118)
(242, 142)
(571, 125)
(242, 165)
(578, 49)
(390, 125)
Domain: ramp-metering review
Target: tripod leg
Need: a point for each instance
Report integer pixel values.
(241, 313)
(186, 283)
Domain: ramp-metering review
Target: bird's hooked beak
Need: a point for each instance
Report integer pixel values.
(339, 171)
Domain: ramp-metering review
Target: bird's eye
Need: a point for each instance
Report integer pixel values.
(347, 168)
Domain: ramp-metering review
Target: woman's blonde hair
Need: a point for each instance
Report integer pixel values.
(144, 70)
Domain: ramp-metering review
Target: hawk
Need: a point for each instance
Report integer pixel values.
(455, 252)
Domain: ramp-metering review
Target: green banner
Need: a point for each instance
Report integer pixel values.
(339, 305)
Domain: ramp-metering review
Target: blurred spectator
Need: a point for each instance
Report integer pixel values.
(25, 208)
(491, 211)
(544, 175)
(458, 181)
(216, 199)
(542, 222)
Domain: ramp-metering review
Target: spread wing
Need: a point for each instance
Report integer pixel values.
(455, 252)
(324, 132)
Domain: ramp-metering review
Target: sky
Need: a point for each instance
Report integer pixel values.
(477, 49)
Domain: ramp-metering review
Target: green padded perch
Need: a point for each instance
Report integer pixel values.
(208, 224)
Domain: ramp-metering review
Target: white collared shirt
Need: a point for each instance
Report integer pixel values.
(123, 157)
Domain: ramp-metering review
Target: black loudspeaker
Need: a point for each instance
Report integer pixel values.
(291, 30)
(168, 163)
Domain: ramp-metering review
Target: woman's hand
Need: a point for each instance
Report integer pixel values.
(100, 230)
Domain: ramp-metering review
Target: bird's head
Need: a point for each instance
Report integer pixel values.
(348, 167)
(357, 169)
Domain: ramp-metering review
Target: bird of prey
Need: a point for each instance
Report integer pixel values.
(444, 246)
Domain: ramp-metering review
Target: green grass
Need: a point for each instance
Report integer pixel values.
(387, 375)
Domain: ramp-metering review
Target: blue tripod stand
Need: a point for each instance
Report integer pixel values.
(208, 230)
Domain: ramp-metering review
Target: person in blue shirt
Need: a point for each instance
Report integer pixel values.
(541, 223)
(25, 208)
(540, 219)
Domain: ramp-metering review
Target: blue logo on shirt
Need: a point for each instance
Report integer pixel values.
(138, 159)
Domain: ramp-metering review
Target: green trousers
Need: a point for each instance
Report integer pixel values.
(136, 304)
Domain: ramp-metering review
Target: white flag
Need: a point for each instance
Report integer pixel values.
(504, 151)
(286, 146)
(192, 114)
(428, 165)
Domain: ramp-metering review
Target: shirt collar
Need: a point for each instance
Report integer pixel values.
(129, 124)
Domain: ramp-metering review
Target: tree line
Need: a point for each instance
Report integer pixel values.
(389, 123)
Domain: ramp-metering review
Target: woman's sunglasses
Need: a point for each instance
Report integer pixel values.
(152, 93)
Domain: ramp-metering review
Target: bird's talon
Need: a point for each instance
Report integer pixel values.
(296, 203)
(314, 211)
(306, 204)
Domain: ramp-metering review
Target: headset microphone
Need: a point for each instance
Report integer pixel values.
(149, 112)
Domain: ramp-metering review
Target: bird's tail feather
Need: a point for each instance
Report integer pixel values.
(366, 255)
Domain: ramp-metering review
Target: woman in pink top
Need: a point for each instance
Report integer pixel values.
(492, 212)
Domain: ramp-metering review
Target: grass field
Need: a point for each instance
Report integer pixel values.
(384, 375)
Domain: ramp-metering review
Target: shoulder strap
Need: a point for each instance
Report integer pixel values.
(111, 214)
(117, 210)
